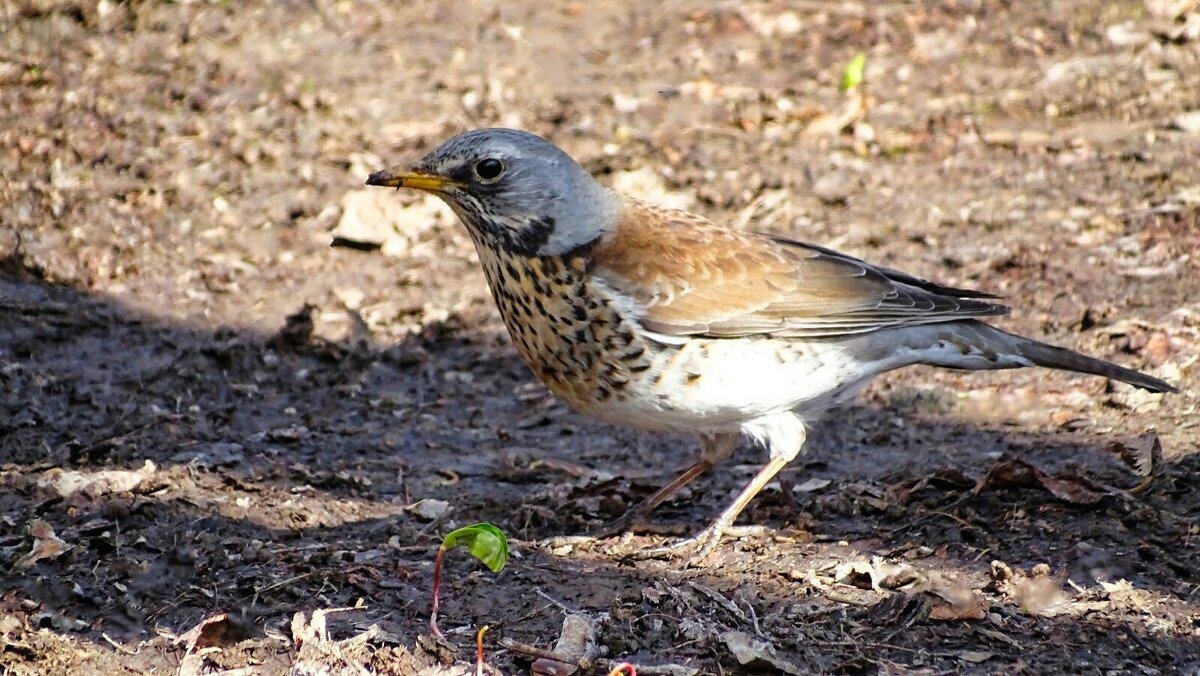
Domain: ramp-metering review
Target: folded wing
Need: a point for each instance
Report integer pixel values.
(695, 278)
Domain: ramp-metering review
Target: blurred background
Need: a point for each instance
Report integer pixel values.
(172, 175)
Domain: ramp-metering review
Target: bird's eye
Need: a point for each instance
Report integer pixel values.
(489, 169)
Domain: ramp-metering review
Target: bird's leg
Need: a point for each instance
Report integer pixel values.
(707, 540)
(641, 510)
(715, 449)
(782, 433)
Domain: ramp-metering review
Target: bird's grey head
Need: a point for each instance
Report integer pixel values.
(514, 190)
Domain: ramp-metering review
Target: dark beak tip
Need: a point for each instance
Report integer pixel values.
(379, 178)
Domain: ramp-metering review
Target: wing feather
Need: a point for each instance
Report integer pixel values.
(695, 278)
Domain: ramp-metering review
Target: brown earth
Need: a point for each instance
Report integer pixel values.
(206, 410)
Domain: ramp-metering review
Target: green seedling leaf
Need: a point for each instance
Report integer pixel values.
(485, 542)
(853, 75)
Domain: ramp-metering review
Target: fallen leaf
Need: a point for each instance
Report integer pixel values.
(998, 636)
(429, 509)
(92, 485)
(215, 630)
(964, 604)
(1117, 589)
(1069, 488)
(751, 651)
(212, 632)
(46, 544)
(812, 485)
(314, 630)
(856, 573)
(576, 646)
(1143, 455)
(877, 574)
(1036, 594)
(1073, 489)
(975, 656)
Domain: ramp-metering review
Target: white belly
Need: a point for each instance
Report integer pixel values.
(710, 385)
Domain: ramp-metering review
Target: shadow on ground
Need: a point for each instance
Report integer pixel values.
(285, 468)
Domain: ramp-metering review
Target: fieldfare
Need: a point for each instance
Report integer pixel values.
(660, 319)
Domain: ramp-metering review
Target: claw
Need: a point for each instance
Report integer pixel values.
(707, 540)
(699, 546)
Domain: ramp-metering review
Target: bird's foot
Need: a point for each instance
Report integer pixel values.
(693, 550)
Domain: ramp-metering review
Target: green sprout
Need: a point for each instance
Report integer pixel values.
(485, 542)
(852, 76)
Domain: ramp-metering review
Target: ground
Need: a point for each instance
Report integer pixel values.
(214, 427)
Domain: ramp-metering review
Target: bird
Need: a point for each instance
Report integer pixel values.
(660, 319)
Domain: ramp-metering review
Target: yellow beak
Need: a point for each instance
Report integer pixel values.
(410, 179)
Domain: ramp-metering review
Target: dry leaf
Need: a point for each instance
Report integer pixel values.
(1069, 488)
(1143, 455)
(853, 109)
(812, 485)
(975, 656)
(92, 485)
(1038, 595)
(877, 574)
(46, 544)
(211, 633)
(576, 646)
(429, 509)
(965, 605)
(749, 650)
(215, 630)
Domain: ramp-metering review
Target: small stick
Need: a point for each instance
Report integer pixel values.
(534, 651)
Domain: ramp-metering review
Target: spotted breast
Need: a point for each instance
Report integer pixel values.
(572, 337)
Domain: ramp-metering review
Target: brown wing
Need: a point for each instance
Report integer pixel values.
(695, 278)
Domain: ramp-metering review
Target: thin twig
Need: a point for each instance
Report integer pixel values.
(534, 651)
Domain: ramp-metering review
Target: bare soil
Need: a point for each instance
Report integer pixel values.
(208, 412)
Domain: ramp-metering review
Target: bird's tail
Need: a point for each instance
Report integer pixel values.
(1055, 357)
(977, 346)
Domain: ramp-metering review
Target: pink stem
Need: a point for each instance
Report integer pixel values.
(437, 586)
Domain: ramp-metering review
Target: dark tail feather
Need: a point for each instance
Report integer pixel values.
(975, 346)
(1062, 358)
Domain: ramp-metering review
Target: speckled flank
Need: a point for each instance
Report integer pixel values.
(571, 338)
